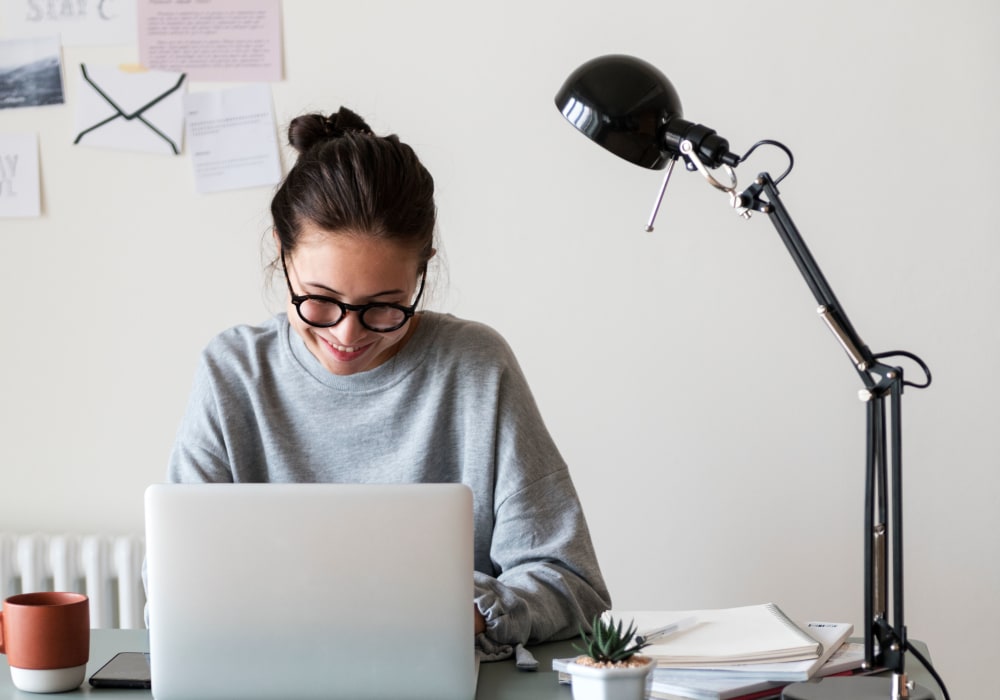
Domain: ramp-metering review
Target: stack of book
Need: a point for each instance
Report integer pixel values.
(743, 653)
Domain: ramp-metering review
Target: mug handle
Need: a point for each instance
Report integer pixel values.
(2, 650)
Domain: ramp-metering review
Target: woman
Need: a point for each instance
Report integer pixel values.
(353, 384)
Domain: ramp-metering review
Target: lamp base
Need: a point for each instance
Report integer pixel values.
(852, 688)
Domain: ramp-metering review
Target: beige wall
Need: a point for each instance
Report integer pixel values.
(709, 418)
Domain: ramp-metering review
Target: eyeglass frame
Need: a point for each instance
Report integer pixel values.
(359, 309)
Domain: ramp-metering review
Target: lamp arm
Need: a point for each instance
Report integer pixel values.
(829, 308)
(881, 382)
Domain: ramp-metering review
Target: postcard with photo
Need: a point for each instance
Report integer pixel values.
(30, 72)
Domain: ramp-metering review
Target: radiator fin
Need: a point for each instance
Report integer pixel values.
(107, 569)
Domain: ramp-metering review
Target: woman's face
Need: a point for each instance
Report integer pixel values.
(354, 269)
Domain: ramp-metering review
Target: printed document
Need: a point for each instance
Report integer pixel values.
(213, 40)
(231, 138)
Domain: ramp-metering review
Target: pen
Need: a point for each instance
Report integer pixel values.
(666, 630)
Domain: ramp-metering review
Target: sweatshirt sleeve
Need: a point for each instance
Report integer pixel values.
(547, 579)
(199, 453)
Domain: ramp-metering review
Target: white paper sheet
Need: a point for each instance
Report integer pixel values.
(231, 137)
(20, 189)
(79, 23)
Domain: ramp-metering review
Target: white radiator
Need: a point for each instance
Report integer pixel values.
(107, 569)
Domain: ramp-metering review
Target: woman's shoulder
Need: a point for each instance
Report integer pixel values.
(242, 342)
(463, 336)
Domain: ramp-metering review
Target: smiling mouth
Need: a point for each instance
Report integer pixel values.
(345, 352)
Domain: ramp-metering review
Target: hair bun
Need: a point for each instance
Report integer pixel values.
(346, 121)
(307, 130)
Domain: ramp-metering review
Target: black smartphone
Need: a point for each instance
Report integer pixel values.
(127, 669)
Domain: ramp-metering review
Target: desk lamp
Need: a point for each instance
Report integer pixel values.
(630, 108)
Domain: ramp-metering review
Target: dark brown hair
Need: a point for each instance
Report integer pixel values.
(347, 179)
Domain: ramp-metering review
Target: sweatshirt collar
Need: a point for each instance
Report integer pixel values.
(389, 373)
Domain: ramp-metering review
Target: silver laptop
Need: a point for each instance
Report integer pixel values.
(287, 591)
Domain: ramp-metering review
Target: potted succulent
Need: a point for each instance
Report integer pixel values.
(609, 667)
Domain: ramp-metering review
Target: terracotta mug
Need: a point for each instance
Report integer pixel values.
(46, 637)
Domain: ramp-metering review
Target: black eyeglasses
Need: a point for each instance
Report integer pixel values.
(325, 312)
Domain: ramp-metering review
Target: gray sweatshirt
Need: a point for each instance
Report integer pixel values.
(451, 406)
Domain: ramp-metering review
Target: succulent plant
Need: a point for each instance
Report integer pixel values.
(608, 642)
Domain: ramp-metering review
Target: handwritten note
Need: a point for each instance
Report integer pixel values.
(218, 40)
(20, 191)
(78, 22)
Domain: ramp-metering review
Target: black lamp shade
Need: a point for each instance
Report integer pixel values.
(622, 103)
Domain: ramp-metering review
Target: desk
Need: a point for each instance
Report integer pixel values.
(497, 681)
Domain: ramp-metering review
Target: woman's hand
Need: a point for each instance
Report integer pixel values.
(479, 622)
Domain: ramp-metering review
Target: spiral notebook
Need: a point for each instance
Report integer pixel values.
(699, 684)
(740, 635)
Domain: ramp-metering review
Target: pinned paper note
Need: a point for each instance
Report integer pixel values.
(231, 137)
(78, 23)
(129, 111)
(217, 40)
(20, 189)
(30, 72)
